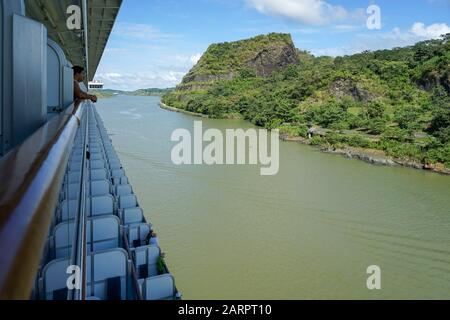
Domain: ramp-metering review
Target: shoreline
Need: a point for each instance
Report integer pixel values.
(365, 155)
(374, 157)
(189, 113)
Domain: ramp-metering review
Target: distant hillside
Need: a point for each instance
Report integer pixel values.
(108, 93)
(150, 92)
(396, 102)
(104, 93)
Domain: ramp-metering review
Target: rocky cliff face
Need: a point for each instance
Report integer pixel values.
(197, 82)
(273, 59)
(343, 87)
(262, 55)
(434, 78)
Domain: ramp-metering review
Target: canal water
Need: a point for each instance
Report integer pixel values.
(309, 232)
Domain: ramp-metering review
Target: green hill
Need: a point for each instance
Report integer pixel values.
(261, 56)
(150, 92)
(227, 57)
(393, 101)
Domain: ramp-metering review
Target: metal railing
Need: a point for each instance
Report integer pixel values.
(79, 244)
(30, 179)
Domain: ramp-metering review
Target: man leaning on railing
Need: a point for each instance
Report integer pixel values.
(78, 76)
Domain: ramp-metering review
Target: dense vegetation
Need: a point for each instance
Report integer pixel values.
(397, 101)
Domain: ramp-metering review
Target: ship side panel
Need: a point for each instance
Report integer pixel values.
(8, 9)
(29, 77)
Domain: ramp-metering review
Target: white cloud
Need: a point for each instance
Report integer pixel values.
(140, 80)
(188, 60)
(195, 58)
(310, 12)
(135, 66)
(433, 31)
(112, 75)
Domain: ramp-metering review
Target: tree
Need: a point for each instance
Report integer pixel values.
(329, 113)
(375, 110)
(440, 125)
(377, 126)
(407, 117)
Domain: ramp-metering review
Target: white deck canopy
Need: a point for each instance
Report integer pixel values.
(101, 15)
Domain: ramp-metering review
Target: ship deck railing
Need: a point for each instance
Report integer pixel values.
(89, 212)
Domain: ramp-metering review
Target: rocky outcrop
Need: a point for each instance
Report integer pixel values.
(431, 79)
(202, 81)
(270, 60)
(262, 56)
(208, 77)
(362, 155)
(367, 156)
(343, 87)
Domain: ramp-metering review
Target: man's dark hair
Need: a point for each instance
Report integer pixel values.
(77, 70)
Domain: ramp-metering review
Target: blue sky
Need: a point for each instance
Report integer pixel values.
(155, 42)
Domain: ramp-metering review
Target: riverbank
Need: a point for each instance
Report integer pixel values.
(374, 157)
(166, 107)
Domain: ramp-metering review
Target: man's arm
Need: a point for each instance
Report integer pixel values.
(80, 94)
